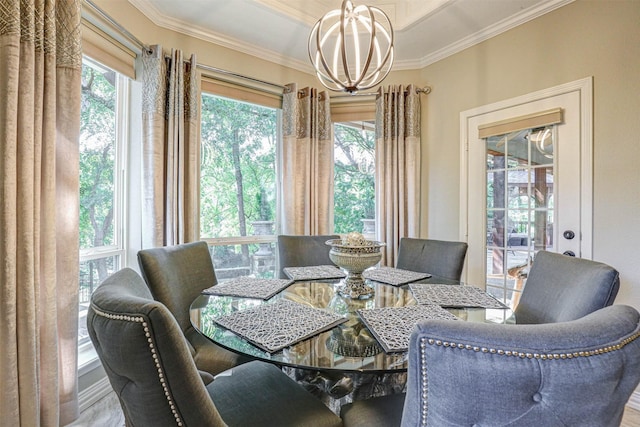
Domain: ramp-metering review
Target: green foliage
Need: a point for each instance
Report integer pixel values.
(354, 194)
(239, 157)
(97, 156)
(237, 182)
(97, 167)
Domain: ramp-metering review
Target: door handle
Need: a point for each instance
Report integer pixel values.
(569, 234)
(569, 253)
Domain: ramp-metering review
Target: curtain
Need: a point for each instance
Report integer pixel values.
(170, 149)
(397, 167)
(306, 162)
(40, 72)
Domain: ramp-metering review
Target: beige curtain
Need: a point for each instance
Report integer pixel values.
(40, 71)
(397, 167)
(306, 162)
(170, 151)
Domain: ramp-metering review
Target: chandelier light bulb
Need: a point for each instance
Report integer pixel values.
(351, 48)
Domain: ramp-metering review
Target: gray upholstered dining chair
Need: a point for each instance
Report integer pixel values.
(148, 363)
(438, 257)
(561, 288)
(303, 251)
(575, 373)
(176, 275)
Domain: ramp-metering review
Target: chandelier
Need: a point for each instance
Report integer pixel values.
(351, 48)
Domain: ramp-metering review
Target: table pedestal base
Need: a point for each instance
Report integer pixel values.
(337, 389)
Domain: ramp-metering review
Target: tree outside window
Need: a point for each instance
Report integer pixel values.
(238, 184)
(354, 194)
(101, 192)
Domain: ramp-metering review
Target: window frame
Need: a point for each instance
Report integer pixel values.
(87, 358)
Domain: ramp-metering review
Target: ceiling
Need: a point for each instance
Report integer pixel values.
(277, 30)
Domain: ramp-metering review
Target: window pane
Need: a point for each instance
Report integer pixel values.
(517, 149)
(97, 155)
(495, 152)
(519, 206)
(495, 189)
(229, 260)
(238, 184)
(92, 273)
(354, 193)
(102, 143)
(542, 146)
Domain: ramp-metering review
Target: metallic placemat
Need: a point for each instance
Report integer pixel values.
(315, 272)
(249, 287)
(274, 326)
(394, 276)
(453, 295)
(392, 326)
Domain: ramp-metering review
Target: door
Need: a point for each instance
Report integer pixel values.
(527, 188)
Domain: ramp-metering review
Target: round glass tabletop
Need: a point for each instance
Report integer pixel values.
(347, 347)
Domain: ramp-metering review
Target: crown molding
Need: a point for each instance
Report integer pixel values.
(219, 39)
(492, 31)
(151, 12)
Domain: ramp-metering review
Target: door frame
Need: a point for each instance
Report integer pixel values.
(584, 88)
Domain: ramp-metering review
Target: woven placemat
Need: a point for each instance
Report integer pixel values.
(274, 326)
(315, 272)
(453, 295)
(249, 287)
(394, 276)
(392, 326)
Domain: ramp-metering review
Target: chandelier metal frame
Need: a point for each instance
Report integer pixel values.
(336, 45)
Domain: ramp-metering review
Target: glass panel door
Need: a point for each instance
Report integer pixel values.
(519, 206)
(528, 190)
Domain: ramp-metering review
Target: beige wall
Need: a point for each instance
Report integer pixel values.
(599, 38)
(586, 38)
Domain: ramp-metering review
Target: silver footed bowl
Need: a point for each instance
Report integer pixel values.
(354, 259)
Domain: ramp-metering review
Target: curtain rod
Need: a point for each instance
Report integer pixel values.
(120, 28)
(146, 48)
(426, 90)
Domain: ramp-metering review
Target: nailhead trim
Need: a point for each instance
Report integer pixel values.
(500, 352)
(154, 356)
(424, 384)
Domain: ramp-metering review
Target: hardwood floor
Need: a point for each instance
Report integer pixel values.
(106, 413)
(631, 418)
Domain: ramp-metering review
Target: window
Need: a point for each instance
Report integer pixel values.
(102, 148)
(238, 185)
(354, 191)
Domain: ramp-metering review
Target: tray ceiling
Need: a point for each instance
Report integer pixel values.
(277, 30)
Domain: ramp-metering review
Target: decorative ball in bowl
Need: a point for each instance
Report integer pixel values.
(354, 254)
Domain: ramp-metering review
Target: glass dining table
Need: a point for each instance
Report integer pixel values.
(335, 360)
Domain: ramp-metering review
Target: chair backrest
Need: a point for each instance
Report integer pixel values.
(573, 373)
(438, 257)
(145, 356)
(303, 251)
(176, 275)
(561, 288)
